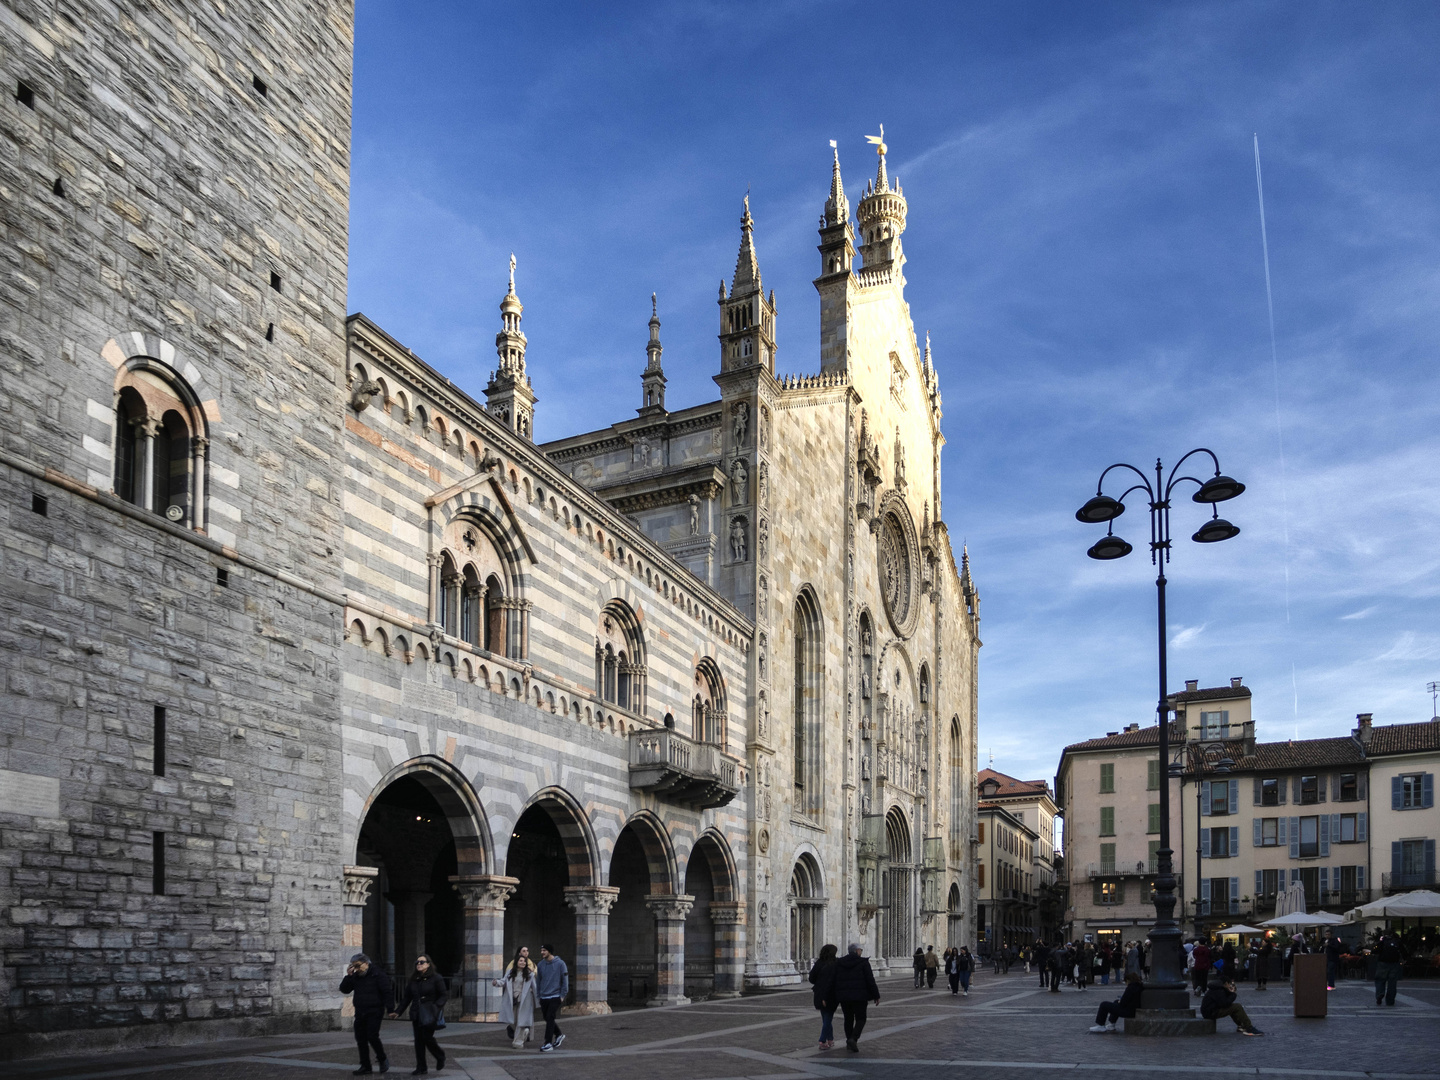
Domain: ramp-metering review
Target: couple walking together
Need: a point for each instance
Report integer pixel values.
(525, 983)
(847, 984)
(374, 999)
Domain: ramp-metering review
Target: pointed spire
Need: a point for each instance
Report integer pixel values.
(837, 209)
(653, 348)
(652, 382)
(882, 182)
(747, 267)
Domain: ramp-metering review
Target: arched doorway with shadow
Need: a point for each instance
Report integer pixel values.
(642, 868)
(713, 921)
(549, 852)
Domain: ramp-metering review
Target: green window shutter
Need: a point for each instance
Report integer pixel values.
(1107, 779)
(1096, 888)
(1107, 821)
(1152, 775)
(1120, 891)
(1154, 824)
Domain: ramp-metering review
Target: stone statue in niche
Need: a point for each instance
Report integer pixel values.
(739, 549)
(764, 428)
(764, 484)
(760, 657)
(739, 481)
(865, 684)
(741, 422)
(865, 766)
(762, 537)
(865, 803)
(899, 463)
(694, 515)
(866, 642)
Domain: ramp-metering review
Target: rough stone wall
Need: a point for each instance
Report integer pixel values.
(150, 191)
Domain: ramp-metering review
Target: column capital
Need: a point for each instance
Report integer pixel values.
(434, 558)
(481, 892)
(200, 444)
(727, 911)
(358, 880)
(591, 899)
(670, 906)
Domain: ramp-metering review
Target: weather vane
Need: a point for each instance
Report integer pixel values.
(878, 141)
(512, 271)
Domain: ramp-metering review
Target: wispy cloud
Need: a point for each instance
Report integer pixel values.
(1186, 635)
(1363, 613)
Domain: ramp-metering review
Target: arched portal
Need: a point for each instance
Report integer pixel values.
(710, 927)
(641, 867)
(423, 824)
(550, 849)
(898, 902)
(954, 918)
(806, 898)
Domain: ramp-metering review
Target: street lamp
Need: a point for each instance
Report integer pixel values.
(1165, 988)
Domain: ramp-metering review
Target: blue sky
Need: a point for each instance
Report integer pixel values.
(1083, 245)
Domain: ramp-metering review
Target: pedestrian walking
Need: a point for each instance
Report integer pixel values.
(1102, 964)
(1334, 947)
(1227, 957)
(1084, 964)
(1025, 955)
(918, 963)
(1042, 962)
(1117, 961)
(520, 951)
(1264, 957)
(966, 964)
(554, 985)
(952, 969)
(932, 967)
(1388, 958)
(1200, 973)
(1124, 1006)
(854, 989)
(1132, 958)
(1219, 1002)
(822, 978)
(1057, 966)
(373, 995)
(517, 1003)
(425, 995)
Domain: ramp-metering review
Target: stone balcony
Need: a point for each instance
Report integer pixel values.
(680, 770)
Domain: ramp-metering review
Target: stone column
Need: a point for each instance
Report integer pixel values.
(145, 496)
(728, 919)
(590, 971)
(484, 896)
(409, 929)
(435, 597)
(670, 912)
(200, 447)
(358, 882)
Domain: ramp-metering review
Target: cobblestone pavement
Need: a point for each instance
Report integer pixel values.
(1006, 1029)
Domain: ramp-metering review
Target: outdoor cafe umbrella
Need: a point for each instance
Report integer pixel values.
(1299, 918)
(1420, 904)
(1242, 929)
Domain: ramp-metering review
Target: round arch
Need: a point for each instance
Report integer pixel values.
(659, 851)
(458, 800)
(712, 848)
(570, 820)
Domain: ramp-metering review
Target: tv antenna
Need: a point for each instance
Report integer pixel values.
(1434, 689)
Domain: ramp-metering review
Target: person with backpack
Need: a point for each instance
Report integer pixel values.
(822, 978)
(1388, 958)
(1219, 1002)
(1125, 1005)
(427, 993)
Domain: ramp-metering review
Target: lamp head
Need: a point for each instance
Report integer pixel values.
(1100, 508)
(1215, 530)
(1218, 489)
(1109, 547)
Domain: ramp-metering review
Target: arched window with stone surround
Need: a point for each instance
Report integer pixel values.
(806, 900)
(448, 610)
(470, 614)
(620, 657)
(709, 704)
(160, 442)
(807, 703)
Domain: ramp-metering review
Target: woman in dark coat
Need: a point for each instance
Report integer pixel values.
(822, 978)
(425, 996)
(919, 964)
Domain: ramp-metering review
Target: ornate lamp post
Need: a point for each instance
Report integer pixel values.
(1165, 989)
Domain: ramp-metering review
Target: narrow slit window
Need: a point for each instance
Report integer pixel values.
(159, 741)
(25, 94)
(157, 883)
(260, 87)
(274, 281)
(222, 577)
(270, 332)
(58, 188)
(40, 504)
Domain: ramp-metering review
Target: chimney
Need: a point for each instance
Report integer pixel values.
(1192, 684)
(1236, 680)
(1362, 730)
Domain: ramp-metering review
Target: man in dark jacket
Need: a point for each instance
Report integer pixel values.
(854, 987)
(1334, 949)
(1388, 958)
(374, 996)
(1041, 958)
(1129, 1001)
(1219, 1001)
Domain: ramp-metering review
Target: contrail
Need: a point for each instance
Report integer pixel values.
(1279, 430)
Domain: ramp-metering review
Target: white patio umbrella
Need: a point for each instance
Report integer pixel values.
(1291, 900)
(1299, 919)
(1420, 904)
(1242, 929)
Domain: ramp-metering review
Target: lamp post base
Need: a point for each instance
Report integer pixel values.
(1167, 1022)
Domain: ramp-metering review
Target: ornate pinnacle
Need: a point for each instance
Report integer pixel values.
(837, 209)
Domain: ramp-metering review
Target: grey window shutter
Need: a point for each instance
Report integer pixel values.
(1360, 827)
(1395, 794)
(1335, 833)
(1429, 790)
(1361, 784)
(1205, 798)
(1324, 834)
(1234, 796)
(1297, 790)
(1204, 896)
(1325, 880)
(1280, 790)
(1259, 882)
(1205, 843)
(1280, 828)
(1359, 877)
(1234, 896)
(1395, 859)
(1259, 788)
(1258, 827)
(1294, 838)
(1429, 862)
(1234, 840)
(1321, 782)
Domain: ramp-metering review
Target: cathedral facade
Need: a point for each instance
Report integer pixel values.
(309, 651)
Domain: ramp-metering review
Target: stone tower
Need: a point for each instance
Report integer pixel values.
(837, 255)
(747, 320)
(508, 396)
(652, 383)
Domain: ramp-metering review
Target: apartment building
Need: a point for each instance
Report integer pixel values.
(1033, 802)
(1005, 910)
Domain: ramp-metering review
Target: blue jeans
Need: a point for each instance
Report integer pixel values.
(827, 1028)
(965, 981)
(1105, 977)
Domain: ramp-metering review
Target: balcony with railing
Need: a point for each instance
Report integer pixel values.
(1119, 869)
(681, 770)
(1416, 879)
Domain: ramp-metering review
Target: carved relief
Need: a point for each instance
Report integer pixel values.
(360, 399)
(764, 484)
(762, 538)
(899, 463)
(764, 428)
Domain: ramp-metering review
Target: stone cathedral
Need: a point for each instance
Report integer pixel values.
(306, 650)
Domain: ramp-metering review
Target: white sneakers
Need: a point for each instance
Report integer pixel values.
(1101, 1028)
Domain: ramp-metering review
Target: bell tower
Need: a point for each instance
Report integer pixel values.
(652, 383)
(747, 320)
(837, 255)
(882, 220)
(508, 396)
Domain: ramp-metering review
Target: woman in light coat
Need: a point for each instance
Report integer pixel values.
(517, 1000)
